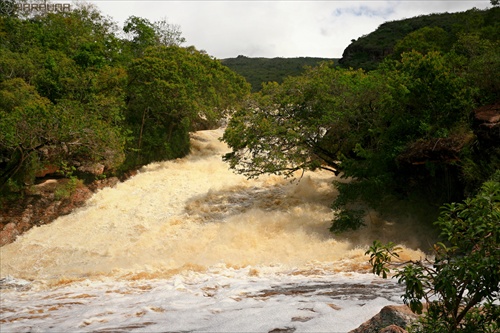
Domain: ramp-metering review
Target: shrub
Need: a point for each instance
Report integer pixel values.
(461, 284)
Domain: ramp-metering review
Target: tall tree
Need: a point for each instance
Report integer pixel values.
(358, 124)
(170, 90)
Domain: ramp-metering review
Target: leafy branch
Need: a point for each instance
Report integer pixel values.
(461, 285)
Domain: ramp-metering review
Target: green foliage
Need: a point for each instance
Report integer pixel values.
(308, 122)
(347, 219)
(25, 127)
(370, 127)
(171, 90)
(142, 34)
(258, 71)
(66, 189)
(73, 93)
(462, 284)
(434, 32)
(483, 64)
(142, 31)
(424, 40)
(381, 255)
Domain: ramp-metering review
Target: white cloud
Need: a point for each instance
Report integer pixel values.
(278, 28)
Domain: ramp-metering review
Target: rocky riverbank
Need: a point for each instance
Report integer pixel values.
(45, 202)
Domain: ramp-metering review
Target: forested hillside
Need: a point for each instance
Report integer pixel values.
(77, 99)
(261, 70)
(435, 32)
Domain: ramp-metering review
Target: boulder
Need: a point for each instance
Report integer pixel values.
(391, 319)
(95, 169)
(47, 170)
(487, 123)
(393, 329)
(8, 234)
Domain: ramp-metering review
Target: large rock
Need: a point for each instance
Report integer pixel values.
(487, 123)
(95, 169)
(393, 329)
(391, 319)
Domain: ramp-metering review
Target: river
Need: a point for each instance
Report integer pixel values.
(189, 246)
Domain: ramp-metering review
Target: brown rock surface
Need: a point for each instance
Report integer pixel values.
(389, 319)
(393, 329)
(487, 123)
(40, 206)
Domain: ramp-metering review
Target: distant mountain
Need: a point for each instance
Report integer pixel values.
(368, 51)
(259, 70)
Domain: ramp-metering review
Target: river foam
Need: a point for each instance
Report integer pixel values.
(203, 243)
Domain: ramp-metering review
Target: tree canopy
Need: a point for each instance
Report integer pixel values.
(437, 31)
(262, 70)
(75, 91)
(406, 137)
(403, 131)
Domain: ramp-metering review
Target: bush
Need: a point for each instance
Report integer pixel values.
(461, 285)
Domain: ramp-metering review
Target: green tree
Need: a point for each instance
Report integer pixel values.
(461, 285)
(424, 40)
(35, 132)
(25, 128)
(357, 124)
(170, 90)
(63, 93)
(482, 64)
(168, 34)
(307, 122)
(144, 33)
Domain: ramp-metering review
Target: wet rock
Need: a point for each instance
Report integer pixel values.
(103, 183)
(49, 185)
(77, 199)
(8, 234)
(47, 170)
(389, 319)
(40, 206)
(9, 227)
(436, 150)
(283, 330)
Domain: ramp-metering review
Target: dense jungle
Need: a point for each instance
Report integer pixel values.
(409, 119)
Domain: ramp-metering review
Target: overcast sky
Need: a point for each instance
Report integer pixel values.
(278, 28)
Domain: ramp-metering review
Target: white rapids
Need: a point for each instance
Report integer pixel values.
(189, 246)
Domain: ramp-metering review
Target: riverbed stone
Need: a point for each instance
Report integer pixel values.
(393, 329)
(39, 206)
(388, 320)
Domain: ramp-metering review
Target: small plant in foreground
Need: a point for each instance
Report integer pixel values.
(461, 285)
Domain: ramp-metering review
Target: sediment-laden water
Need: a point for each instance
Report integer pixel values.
(187, 245)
